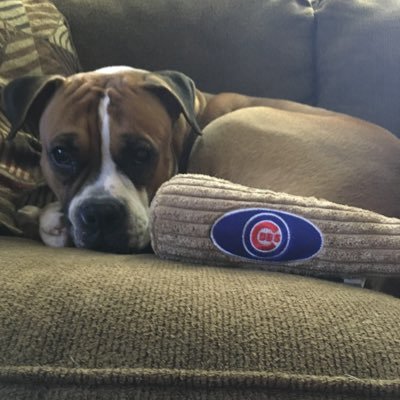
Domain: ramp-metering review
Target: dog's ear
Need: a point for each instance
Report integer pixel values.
(25, 98)
(178, 93)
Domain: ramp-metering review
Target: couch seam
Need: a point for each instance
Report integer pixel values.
(314, 53)
(345, 384)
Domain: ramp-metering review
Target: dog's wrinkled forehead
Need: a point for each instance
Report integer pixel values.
(74, 106)
(80, 89)
(24, 99)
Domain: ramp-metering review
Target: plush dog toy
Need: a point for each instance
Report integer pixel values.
(201, 219)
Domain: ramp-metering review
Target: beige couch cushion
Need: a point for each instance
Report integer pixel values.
(84, 325)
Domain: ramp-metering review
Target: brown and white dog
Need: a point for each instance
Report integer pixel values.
(111, 137)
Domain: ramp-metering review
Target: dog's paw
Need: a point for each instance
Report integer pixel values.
(52, 227)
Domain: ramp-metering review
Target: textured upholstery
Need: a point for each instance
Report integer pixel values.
(81, 324)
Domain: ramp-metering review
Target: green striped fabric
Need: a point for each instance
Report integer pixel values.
(34, 39)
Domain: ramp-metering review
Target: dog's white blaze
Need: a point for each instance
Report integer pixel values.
(108, 168)
(111, 182)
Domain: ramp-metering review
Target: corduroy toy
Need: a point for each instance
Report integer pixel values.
(202, 219)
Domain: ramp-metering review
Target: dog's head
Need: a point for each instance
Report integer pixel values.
(109, 139)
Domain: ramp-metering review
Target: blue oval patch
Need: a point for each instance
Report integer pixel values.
(269, 235)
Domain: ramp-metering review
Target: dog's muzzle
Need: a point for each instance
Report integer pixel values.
(101, 224)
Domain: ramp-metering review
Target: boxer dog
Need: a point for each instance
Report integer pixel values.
(111, 137)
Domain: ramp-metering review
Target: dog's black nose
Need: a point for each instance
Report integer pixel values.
(101, 223)
(101, 215)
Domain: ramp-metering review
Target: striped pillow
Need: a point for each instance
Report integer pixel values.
(34, 39)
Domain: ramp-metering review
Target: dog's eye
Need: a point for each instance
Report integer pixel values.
(137, 159)
(142, 153)
(63, 159)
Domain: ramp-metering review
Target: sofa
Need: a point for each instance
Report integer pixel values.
(79, 324)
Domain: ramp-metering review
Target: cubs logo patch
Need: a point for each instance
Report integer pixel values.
(263, 234)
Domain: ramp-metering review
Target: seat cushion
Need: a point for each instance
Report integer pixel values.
(86, 325)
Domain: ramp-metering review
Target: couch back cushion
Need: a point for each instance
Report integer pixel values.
(358, 59)
(255, 47)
